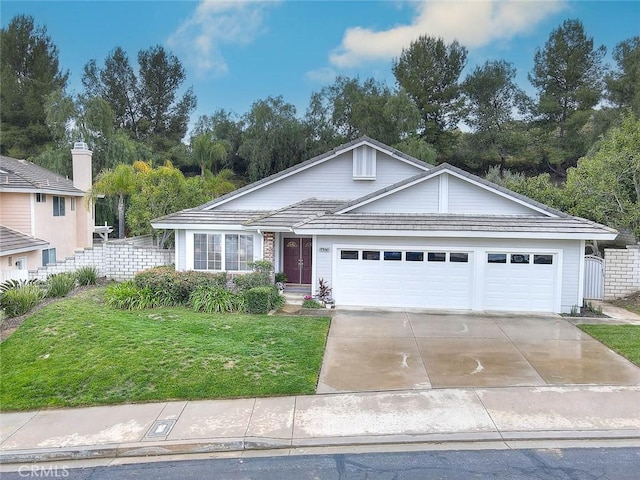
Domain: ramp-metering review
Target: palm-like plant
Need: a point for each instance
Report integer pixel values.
(118, 182)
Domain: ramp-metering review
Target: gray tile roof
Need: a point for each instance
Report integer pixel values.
(22, 175)
(296, 213)
(453, 223)
(316, 159)
(14, 241)
(196, 216)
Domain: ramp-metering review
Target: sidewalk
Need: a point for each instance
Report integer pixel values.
(402, 417)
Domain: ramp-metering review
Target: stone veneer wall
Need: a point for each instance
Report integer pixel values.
(118, 260)
(622, 271)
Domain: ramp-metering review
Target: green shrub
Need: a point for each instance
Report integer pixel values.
(19, 299)
(262, 299)
(175, 288)
(128, 296)
(281, 277)
(251, 280)
(311, 304)
(261, 266)
(60, 284)
(87, 275)
(215, 300)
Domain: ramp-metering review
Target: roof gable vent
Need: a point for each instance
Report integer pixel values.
(364, 163)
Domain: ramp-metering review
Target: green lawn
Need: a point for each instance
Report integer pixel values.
(79, 352)
(624, 339)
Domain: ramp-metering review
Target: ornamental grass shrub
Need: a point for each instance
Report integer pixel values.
(20, 297)
(216, 300)
(87, 276)
(128, 296)
(60, 284)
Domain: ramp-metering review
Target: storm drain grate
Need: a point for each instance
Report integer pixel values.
(160, 428)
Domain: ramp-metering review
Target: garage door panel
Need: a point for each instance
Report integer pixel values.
(393, 283)
(520, 287)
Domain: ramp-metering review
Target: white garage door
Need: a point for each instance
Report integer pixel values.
(404, 278)
(520, 282)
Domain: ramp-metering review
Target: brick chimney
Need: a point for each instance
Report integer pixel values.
(82, 180)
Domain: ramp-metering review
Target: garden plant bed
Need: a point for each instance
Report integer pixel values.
(79, 352)
(631, 303)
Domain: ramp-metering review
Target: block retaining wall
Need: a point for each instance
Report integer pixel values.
(116, 261)
(622, 271)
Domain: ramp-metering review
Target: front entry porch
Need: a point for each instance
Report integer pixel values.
(297, 259)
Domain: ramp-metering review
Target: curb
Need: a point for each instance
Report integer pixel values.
(213, 445)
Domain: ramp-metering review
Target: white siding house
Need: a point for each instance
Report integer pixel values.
(387, 230)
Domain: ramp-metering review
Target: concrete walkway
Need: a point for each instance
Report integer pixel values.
(447, 415)
(482, 414)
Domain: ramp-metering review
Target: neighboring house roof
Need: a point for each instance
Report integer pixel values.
(26, 177)
(13, 242)
(314, 161)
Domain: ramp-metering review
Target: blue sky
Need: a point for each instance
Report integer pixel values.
(237, 52)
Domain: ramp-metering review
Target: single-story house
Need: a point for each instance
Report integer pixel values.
(387, 230)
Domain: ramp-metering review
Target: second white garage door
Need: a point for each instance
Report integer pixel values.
(404, 278)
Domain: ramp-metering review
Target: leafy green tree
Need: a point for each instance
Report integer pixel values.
(623, 85)
(568, 75)
(161, 191)
(165, 118)
(491, 99)
(348, 109)
(222, 126)
(417, 148)
(429, 70)
(119, 182)
(274, 138)
(207, 153)
(29, 71)
(146, 104)
(605, 187)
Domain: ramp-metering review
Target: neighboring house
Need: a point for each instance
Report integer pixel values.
(43, 215)
(387, 230)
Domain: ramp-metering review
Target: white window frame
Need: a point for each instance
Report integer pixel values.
(191, 259)
(364, 163)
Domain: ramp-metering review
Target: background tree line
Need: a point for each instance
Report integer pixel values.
(130, 113)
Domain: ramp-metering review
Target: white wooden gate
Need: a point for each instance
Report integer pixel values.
(593, 277)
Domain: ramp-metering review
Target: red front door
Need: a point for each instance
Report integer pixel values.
(297, 260)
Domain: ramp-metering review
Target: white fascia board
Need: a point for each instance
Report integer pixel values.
(267, 228)
(457, 234)
(196, 226)
(47, 191)
(23, 250)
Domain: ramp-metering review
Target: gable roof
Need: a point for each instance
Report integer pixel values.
(364, 140)
(24, 176)
(13, 242)
(450, 169)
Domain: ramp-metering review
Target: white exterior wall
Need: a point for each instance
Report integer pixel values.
(330, 180)
(181, 254)
(468, 199)
(569, 255)
(423, 198)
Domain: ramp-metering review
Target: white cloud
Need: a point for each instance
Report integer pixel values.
(322, 75)
(474, 23)
(214, 24)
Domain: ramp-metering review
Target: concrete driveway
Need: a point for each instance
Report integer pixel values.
(400, 350)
